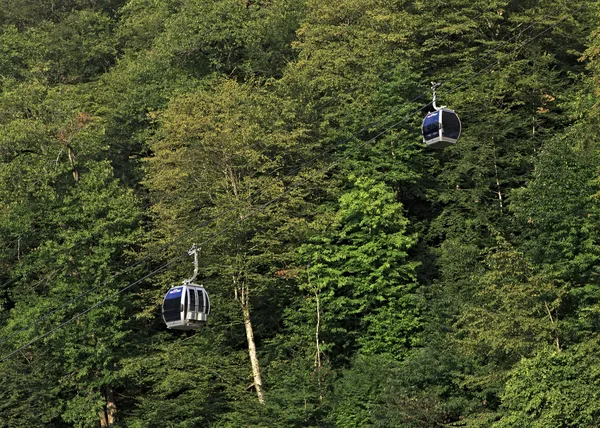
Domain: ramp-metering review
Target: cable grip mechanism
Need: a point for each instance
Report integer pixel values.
(434, 87)
(193, 252)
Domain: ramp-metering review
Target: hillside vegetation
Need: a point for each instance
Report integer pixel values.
(357, 278)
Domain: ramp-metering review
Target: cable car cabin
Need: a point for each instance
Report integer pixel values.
(441, 128)
(186, 307)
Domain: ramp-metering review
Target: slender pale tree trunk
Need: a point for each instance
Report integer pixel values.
(500, 199)
(318, 362)
(554, 323)
(109, 412)
(253, 357)
(241, 295)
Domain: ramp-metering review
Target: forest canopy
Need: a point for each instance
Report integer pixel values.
(356, 276)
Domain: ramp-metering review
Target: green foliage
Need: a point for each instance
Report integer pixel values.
(560, 211)
(299, 391)
(386, 284)
(359, 265)
(230, 37)
(141, 21)
(18, 52)
(81, 47)
(358, 392)
(89, 244)
(75, 225)
(554, 389)
(31, 13)
(181, 381)
(29, 398)
(426, 390)
(128, 98)
(511, 313)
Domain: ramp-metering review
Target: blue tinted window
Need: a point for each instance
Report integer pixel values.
(201, 297)
(431, 126)
(172, 307)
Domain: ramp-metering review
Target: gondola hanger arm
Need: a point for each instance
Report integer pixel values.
(434, 87)
(193, 251)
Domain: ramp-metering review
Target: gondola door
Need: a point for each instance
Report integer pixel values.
(192, 296)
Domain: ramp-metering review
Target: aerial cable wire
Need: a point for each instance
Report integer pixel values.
(502, 42)
(205, 223)
(77, 245)
(82, 313)
(59, 252)
(260, 208)
(81, 295)
(355, 134)
(210, 238)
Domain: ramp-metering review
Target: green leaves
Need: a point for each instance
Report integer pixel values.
(230, 37)
(512, 313)
(81, 47)
(385, 284)
(554, 389)
(360, 265)
(559, 209)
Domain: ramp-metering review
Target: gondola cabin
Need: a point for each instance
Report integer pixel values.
(186, 307)
(441, 128)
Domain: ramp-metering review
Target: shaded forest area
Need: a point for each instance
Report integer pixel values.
(356, 277)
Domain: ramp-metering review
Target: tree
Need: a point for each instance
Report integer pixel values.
(231, 37)
(359, 391)
(75, 226)
(360, 267)
(227, 151)
(554, 389)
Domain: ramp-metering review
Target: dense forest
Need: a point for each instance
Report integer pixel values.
(356, 276)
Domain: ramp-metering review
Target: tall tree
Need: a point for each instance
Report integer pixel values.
(226, 152)
(360, 266)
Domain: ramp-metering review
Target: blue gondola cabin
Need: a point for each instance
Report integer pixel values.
(441, 128)
(186, 307)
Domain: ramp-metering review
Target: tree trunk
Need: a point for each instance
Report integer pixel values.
(554, 327)
(109, 412)
(500, 200)
(252, 353)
